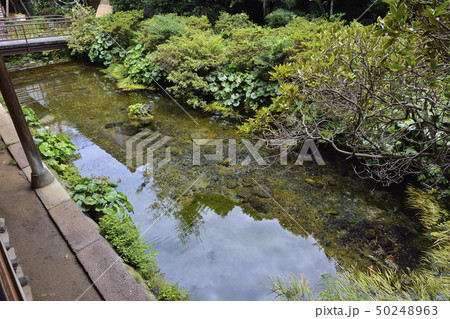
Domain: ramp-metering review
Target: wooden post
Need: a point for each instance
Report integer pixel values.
(40, 176)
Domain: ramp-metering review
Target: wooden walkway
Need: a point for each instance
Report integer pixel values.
(35, 34)
(23, 46)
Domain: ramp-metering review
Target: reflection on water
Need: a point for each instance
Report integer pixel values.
(221, 238)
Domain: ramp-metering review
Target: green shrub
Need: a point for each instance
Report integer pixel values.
(257, 50)
(279, 18)
(227, 23)
(307, 37)
(161, 28)
(84, 29)
(198, 23)
(210, 8)
(166, 291)
(187, 59)
(366, 91)
(244, 48)
(124, 5)
(121, 26)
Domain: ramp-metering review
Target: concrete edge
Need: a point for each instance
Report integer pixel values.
(99, 260)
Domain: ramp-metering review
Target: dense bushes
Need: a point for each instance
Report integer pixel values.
(227, 23)
(279, 18)
(121, 26)
(187, 59)
(84, 30)
(257, 9)
(377, 93)
(184, 54)
(374, 92)
(161, 28)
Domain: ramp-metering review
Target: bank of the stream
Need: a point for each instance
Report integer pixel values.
(219, 234)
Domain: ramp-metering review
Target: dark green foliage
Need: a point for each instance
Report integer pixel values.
(98, 197)
(123, 5)
(240, 90)
(255, 9)
(279, 18)
(210, 8)
(257, 50)
(57, 149)
(84, 29)
(104, 50)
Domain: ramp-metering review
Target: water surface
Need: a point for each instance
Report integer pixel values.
(221, 237)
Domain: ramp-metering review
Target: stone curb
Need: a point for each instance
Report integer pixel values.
(18, 154)
(99, 260)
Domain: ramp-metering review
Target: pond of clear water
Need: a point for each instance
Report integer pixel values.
(221, 230)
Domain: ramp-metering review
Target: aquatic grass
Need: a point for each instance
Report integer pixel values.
(430, 281)
(291, 289)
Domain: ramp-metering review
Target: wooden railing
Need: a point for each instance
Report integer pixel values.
(34, 27)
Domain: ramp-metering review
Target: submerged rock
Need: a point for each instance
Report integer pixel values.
(258, 204)
(113, 124)
(243, 193)
(231, 183)
(314, 182)
(262, 191)
(203, 135)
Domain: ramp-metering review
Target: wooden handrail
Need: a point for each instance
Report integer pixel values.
(8, 279)
(33, 29)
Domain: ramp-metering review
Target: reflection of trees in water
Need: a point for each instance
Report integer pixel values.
(190, 218)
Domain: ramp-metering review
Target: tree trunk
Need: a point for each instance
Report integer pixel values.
(264, 8)
(321, 7)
